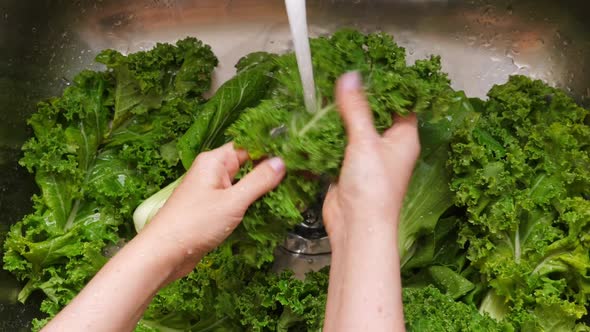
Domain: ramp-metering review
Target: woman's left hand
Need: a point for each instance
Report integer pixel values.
(203, 210)
(208, 205)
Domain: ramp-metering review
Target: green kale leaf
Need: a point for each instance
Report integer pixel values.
(427, 309)
(521, 171)
(312, 144)
(97, 151)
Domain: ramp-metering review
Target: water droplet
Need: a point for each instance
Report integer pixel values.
(189, 252)
(310, 261)
(34, 30)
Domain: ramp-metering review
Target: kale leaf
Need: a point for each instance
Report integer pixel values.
(521, 170)
(98, 150)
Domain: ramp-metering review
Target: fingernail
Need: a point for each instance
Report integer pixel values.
(351, 81)
(277, 164)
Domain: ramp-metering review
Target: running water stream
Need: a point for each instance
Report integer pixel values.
(298, 23)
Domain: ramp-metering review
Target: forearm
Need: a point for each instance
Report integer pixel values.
(117, 296)
(368, 291)
(335, 288)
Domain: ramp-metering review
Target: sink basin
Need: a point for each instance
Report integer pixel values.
(44, 43)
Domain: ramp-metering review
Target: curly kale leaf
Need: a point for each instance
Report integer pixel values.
(427, 309)
(205, 299)
(225, 293)
(147, 79)
(315, 142)
(521, 170)
(312, 144)
(279, 302)
(97, 151)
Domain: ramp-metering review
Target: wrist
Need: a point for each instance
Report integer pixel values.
(154, 253)
(169, 253)
(355, 234)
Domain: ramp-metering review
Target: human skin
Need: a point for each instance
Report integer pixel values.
(360, 212)
(205, 208)
(361, 215)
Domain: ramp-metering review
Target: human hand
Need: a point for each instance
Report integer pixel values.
(203, 210)
(376, 170)
(207, 206)
(361, 213)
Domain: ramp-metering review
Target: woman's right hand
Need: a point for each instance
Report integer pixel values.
(376, 170)
(361, 214)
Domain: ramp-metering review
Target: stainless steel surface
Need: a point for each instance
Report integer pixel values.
(300, 264)
(44, 43)
(298, 244)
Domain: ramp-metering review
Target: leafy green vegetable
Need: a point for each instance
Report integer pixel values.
(205, 299)
(315, 142)
(521, 170)
(207, 131)
(145, 80)
(301, 303)
(246, 89)
(496, 216)
(98, 150)
(312, 145)
(427, 309)
(429, 195)
(150, 207)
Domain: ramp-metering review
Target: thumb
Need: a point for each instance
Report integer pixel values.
(262, 179)
(354, 107)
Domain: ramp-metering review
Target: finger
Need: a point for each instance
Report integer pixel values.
(354, 108)
(404, 132)
(230, 157)
(403, 127)
(234, 159)
(217, 167)
(241, 154)
(262, 179)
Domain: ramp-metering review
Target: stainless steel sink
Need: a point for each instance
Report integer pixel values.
(44, 43)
